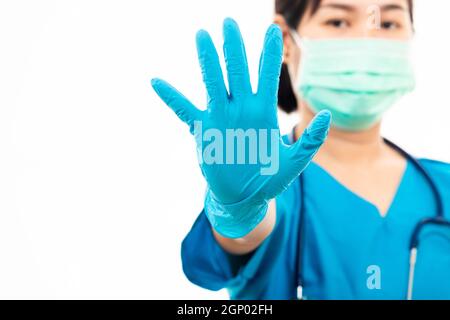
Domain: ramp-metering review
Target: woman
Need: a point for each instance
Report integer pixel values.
(339, 225)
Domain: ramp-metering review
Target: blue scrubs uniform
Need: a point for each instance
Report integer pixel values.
(350, 251)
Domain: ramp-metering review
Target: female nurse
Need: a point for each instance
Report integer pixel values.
(334, 206)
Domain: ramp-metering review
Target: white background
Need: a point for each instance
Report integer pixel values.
(98, 179)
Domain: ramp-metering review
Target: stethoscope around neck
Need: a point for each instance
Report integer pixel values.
(437, 220)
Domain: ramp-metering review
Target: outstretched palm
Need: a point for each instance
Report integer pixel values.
(229, 179)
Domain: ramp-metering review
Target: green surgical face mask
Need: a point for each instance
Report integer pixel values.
(356, 79)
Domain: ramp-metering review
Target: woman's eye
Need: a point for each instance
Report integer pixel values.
(336, 23)
(389, 25)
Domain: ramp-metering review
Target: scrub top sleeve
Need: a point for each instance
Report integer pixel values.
(206, 264)
(204, 261)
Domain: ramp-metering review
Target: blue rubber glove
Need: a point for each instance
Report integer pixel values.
(238, 194)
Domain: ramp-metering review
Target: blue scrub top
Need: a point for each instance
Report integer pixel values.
(350, 251)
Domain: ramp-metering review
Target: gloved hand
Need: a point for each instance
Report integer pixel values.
(238, 192)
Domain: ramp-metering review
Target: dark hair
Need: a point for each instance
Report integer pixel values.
(293, 11)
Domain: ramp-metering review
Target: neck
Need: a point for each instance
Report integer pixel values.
(344, 146)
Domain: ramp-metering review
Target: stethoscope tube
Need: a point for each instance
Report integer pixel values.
(414, 248)
(425, 174)
(437, 220)
(415, 236)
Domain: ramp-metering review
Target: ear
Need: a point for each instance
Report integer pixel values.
(288, 43)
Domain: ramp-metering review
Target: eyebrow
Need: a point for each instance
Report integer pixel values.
(338, 6)
(350, 8)
(390, 7)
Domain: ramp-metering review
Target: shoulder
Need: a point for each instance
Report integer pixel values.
(439, 172)
(438, 169)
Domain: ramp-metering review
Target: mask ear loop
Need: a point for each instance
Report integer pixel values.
(299, 43)
(287, 99)
(296, 37)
